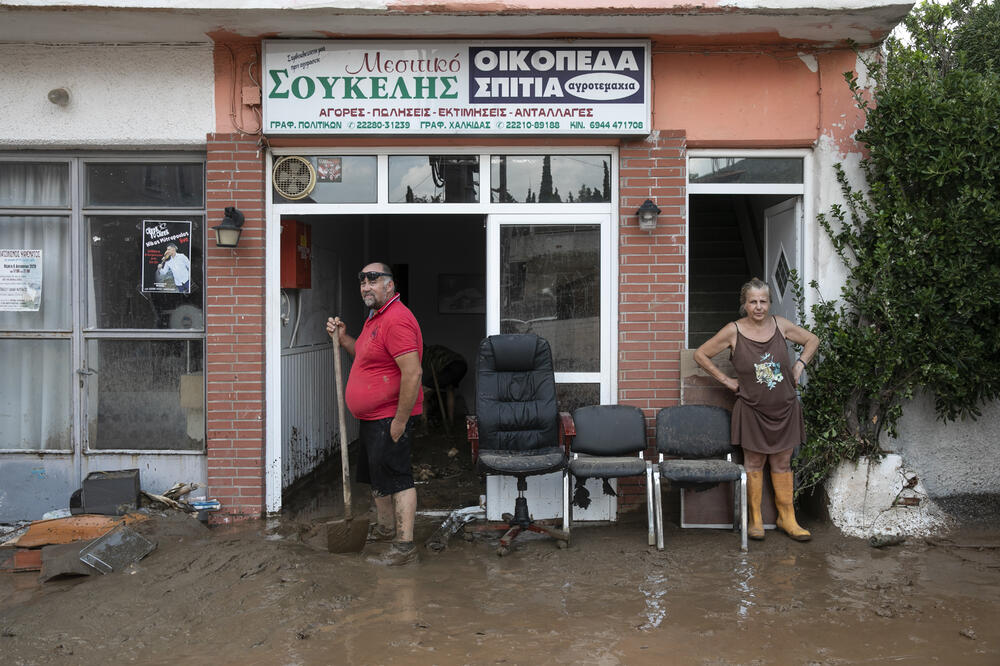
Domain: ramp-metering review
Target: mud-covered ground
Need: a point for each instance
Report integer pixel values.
(255, 594)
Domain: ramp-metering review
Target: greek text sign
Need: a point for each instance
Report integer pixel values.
(20, 280)
(471, 88)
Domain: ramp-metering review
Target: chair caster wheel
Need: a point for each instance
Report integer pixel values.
(502, 550)
(562, 545)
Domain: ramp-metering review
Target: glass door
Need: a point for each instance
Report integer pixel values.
(549, 275)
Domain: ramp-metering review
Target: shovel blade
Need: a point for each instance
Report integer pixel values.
(346, 536)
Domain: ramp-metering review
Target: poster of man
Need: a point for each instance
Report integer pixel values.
(166, 262)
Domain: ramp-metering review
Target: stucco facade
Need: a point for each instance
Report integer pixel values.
(151, 79)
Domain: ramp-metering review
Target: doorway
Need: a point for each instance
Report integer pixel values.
(439, 265)
(475, 237)
(735, 237)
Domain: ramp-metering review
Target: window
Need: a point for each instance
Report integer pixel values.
(433, 179)
(550, 285)
(333, 179)
(134, 348)
(550, 179)
(745, 170)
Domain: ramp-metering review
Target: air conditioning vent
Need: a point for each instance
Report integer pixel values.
(293, 177)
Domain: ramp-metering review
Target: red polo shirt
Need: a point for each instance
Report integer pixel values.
(373, 385)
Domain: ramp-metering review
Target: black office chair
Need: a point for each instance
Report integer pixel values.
(516, 430)
(608, 443)
(698, 437)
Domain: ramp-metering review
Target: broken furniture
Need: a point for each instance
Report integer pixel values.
(516, 431)
(52, 545)
(697, 438)
(608, 444)
(116, 550)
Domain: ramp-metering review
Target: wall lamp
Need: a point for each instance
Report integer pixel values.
(227, 234)
(648, 212)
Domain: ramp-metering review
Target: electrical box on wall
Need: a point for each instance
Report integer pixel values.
(296, 255)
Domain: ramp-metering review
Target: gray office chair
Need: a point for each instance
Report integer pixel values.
(697, 438)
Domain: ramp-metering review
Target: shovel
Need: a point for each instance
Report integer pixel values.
(347, 535)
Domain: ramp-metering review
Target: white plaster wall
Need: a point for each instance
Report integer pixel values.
(829, 271)
(123, 95)
(955, 458)
(884, 497)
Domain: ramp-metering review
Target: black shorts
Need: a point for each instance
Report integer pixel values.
(385, 464)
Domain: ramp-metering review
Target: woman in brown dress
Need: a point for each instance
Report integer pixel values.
(767, 417)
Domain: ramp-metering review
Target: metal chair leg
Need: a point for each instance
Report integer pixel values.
(743, 510)
(650, 517)
(659, 510)
(566, 502)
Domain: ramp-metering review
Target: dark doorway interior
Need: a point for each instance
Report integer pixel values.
(727, 249)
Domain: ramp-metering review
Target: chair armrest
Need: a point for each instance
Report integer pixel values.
(567, 430)
(472, 434)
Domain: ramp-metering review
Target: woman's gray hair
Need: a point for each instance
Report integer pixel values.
(755, 283)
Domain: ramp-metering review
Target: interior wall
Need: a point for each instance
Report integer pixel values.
(429, 245)
(432, 246)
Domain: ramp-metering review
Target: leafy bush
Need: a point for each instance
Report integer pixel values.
(920, 309)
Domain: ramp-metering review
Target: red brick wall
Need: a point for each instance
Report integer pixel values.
(651, 285)
(234, 323)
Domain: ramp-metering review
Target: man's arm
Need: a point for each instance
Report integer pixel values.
(409, 389)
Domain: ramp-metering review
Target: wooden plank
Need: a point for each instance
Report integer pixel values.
(82, 527)
(22, 559)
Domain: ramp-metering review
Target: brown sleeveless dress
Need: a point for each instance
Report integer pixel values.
(767, 416)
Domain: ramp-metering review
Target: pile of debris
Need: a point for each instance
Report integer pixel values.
(95, 534)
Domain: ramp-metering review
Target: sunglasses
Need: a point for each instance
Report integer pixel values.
(371, 276)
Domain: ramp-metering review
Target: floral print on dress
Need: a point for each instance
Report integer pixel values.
(768, 371)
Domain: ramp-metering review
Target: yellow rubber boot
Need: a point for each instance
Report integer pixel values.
(783, 495)
(755, 489)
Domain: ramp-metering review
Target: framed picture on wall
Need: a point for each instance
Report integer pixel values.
(461, 293)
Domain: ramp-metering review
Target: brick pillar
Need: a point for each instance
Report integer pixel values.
(651, 285)
(234, 327)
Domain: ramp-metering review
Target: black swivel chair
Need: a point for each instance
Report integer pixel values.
(517, 429)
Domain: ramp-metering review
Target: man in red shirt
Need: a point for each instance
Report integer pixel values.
(383, 393)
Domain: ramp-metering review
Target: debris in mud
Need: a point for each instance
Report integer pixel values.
(423, 472)
(969, 633)
(438, 541)
(885, 540)
(116, 550)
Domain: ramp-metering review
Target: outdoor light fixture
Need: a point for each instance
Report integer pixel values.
(647, 213)
(227, 234)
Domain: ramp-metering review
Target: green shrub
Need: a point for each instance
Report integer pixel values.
(920, 309)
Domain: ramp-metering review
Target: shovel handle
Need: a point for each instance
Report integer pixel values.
(342, 423)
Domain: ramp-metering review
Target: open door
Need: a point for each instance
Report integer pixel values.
(782, 224)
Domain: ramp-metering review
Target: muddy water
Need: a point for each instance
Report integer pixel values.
(249, 595)
(256, 594)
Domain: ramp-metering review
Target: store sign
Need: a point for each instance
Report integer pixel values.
(20, 280)
(478, 88)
